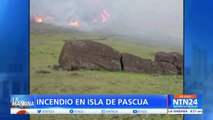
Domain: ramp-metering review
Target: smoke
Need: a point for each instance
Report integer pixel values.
(151, 19)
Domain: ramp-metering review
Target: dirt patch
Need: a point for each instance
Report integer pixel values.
(43, 72)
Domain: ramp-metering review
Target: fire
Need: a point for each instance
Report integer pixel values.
(101, 17)
(104, 15)
(75, 23)
(38, 19)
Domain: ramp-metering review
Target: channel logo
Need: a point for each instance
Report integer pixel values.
(16, 102)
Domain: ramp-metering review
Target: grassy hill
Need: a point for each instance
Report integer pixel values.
(46, 42)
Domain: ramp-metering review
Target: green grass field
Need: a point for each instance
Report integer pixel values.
(45, 48)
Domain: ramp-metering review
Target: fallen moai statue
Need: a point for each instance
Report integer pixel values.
(87, 54)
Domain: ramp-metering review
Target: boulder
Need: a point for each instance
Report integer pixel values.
(85, 54)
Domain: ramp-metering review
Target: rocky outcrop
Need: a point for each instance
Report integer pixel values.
(84, 54)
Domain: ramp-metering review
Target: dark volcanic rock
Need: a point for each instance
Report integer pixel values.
(84, 54)
(132, 63)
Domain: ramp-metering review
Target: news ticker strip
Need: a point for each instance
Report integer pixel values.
(106, 104)
(106, 111)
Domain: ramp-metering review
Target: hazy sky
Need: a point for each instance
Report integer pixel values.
(161, 18)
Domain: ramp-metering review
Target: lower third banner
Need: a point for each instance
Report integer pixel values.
(101, 104)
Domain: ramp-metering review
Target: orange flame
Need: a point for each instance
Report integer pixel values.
(38, 19)
(104, 15)
(75, 23)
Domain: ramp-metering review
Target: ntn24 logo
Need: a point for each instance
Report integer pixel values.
(187, 102)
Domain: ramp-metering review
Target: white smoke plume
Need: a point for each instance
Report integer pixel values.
(151, 19)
